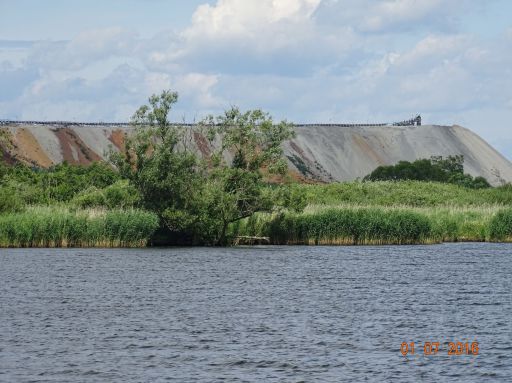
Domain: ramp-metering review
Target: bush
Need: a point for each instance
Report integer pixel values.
(500, 228)
(438, 169)
(120, 195)
(91, 197)
(10, 201)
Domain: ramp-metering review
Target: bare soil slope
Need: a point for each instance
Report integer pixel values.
(318, 153)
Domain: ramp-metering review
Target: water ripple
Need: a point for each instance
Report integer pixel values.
(264, 314)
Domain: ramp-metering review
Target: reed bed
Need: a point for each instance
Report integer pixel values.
(500, 228)
(449, 223)
(60, 227)
(332, 225)
(364, 226)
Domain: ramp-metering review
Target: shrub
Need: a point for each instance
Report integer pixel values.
(10, 201)
(500, 228)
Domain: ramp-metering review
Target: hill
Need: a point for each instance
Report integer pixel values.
(319, 153)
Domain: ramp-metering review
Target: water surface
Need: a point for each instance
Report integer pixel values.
(264, 314)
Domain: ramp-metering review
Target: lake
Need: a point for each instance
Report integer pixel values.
(256, 314)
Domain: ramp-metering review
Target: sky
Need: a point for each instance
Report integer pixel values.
(304, 61)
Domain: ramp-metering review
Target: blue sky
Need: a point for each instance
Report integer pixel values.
(303, 60)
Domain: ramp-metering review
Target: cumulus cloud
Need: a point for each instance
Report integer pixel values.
(304, 60)
(84, 49)
(260, 36)
(392, 16)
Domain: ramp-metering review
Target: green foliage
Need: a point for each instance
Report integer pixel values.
(501, 226)
(255, 143)
(90, 197)
(446, 224)
(252, 138)
(166, 175)
(439, 169)
(197, 197)
(292, 197)
(10, 201)
(58, 184)
(120, 195)
(58, 227)
(350, 227)
(405, 193)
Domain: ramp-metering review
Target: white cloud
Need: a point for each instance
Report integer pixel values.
(86, 48)
(258, 36)
(304, 60)
(247, 19)
(391, 16)
(399, 12)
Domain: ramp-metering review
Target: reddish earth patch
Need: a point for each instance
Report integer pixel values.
(74, 150)
(118, 138)
(202, 144)
(29, 150)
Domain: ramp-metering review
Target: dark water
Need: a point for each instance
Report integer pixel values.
(268, 314)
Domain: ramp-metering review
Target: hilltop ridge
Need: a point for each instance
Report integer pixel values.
(318, 153)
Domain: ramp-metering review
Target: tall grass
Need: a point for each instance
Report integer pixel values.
(349, 224)
(449, 223)
(61, 227)
(365, 226)
(409, 193)
(500, 227)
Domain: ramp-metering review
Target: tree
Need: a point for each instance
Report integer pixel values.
(254, 142)
(198, 197)
(437, 168)
(155, 160)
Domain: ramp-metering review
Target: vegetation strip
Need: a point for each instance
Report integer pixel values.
(159, 190)
(51, 227)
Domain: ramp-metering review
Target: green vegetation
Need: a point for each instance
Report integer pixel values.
(194, 197)
(406, 193)
(454, 213)
(198, 197)
(437, 168)
(444, 225)
(350, 227)
(501, 226)
(60, 227)
(159, 189)
(59, 184)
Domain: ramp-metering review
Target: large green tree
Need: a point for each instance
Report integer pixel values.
(198, 196)
(250, 148)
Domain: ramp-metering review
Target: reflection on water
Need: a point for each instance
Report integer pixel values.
(266, 314)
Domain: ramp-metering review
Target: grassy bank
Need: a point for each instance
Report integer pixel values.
(62, 227)
(406, 193)
(365, 226)
(353, 213)
(388, 213)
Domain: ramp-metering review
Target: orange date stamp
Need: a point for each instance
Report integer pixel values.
(435, 348)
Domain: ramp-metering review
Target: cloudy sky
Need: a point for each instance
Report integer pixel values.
(303, 60)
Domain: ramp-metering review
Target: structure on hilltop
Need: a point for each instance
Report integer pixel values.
(318, 153)
(416, 121)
